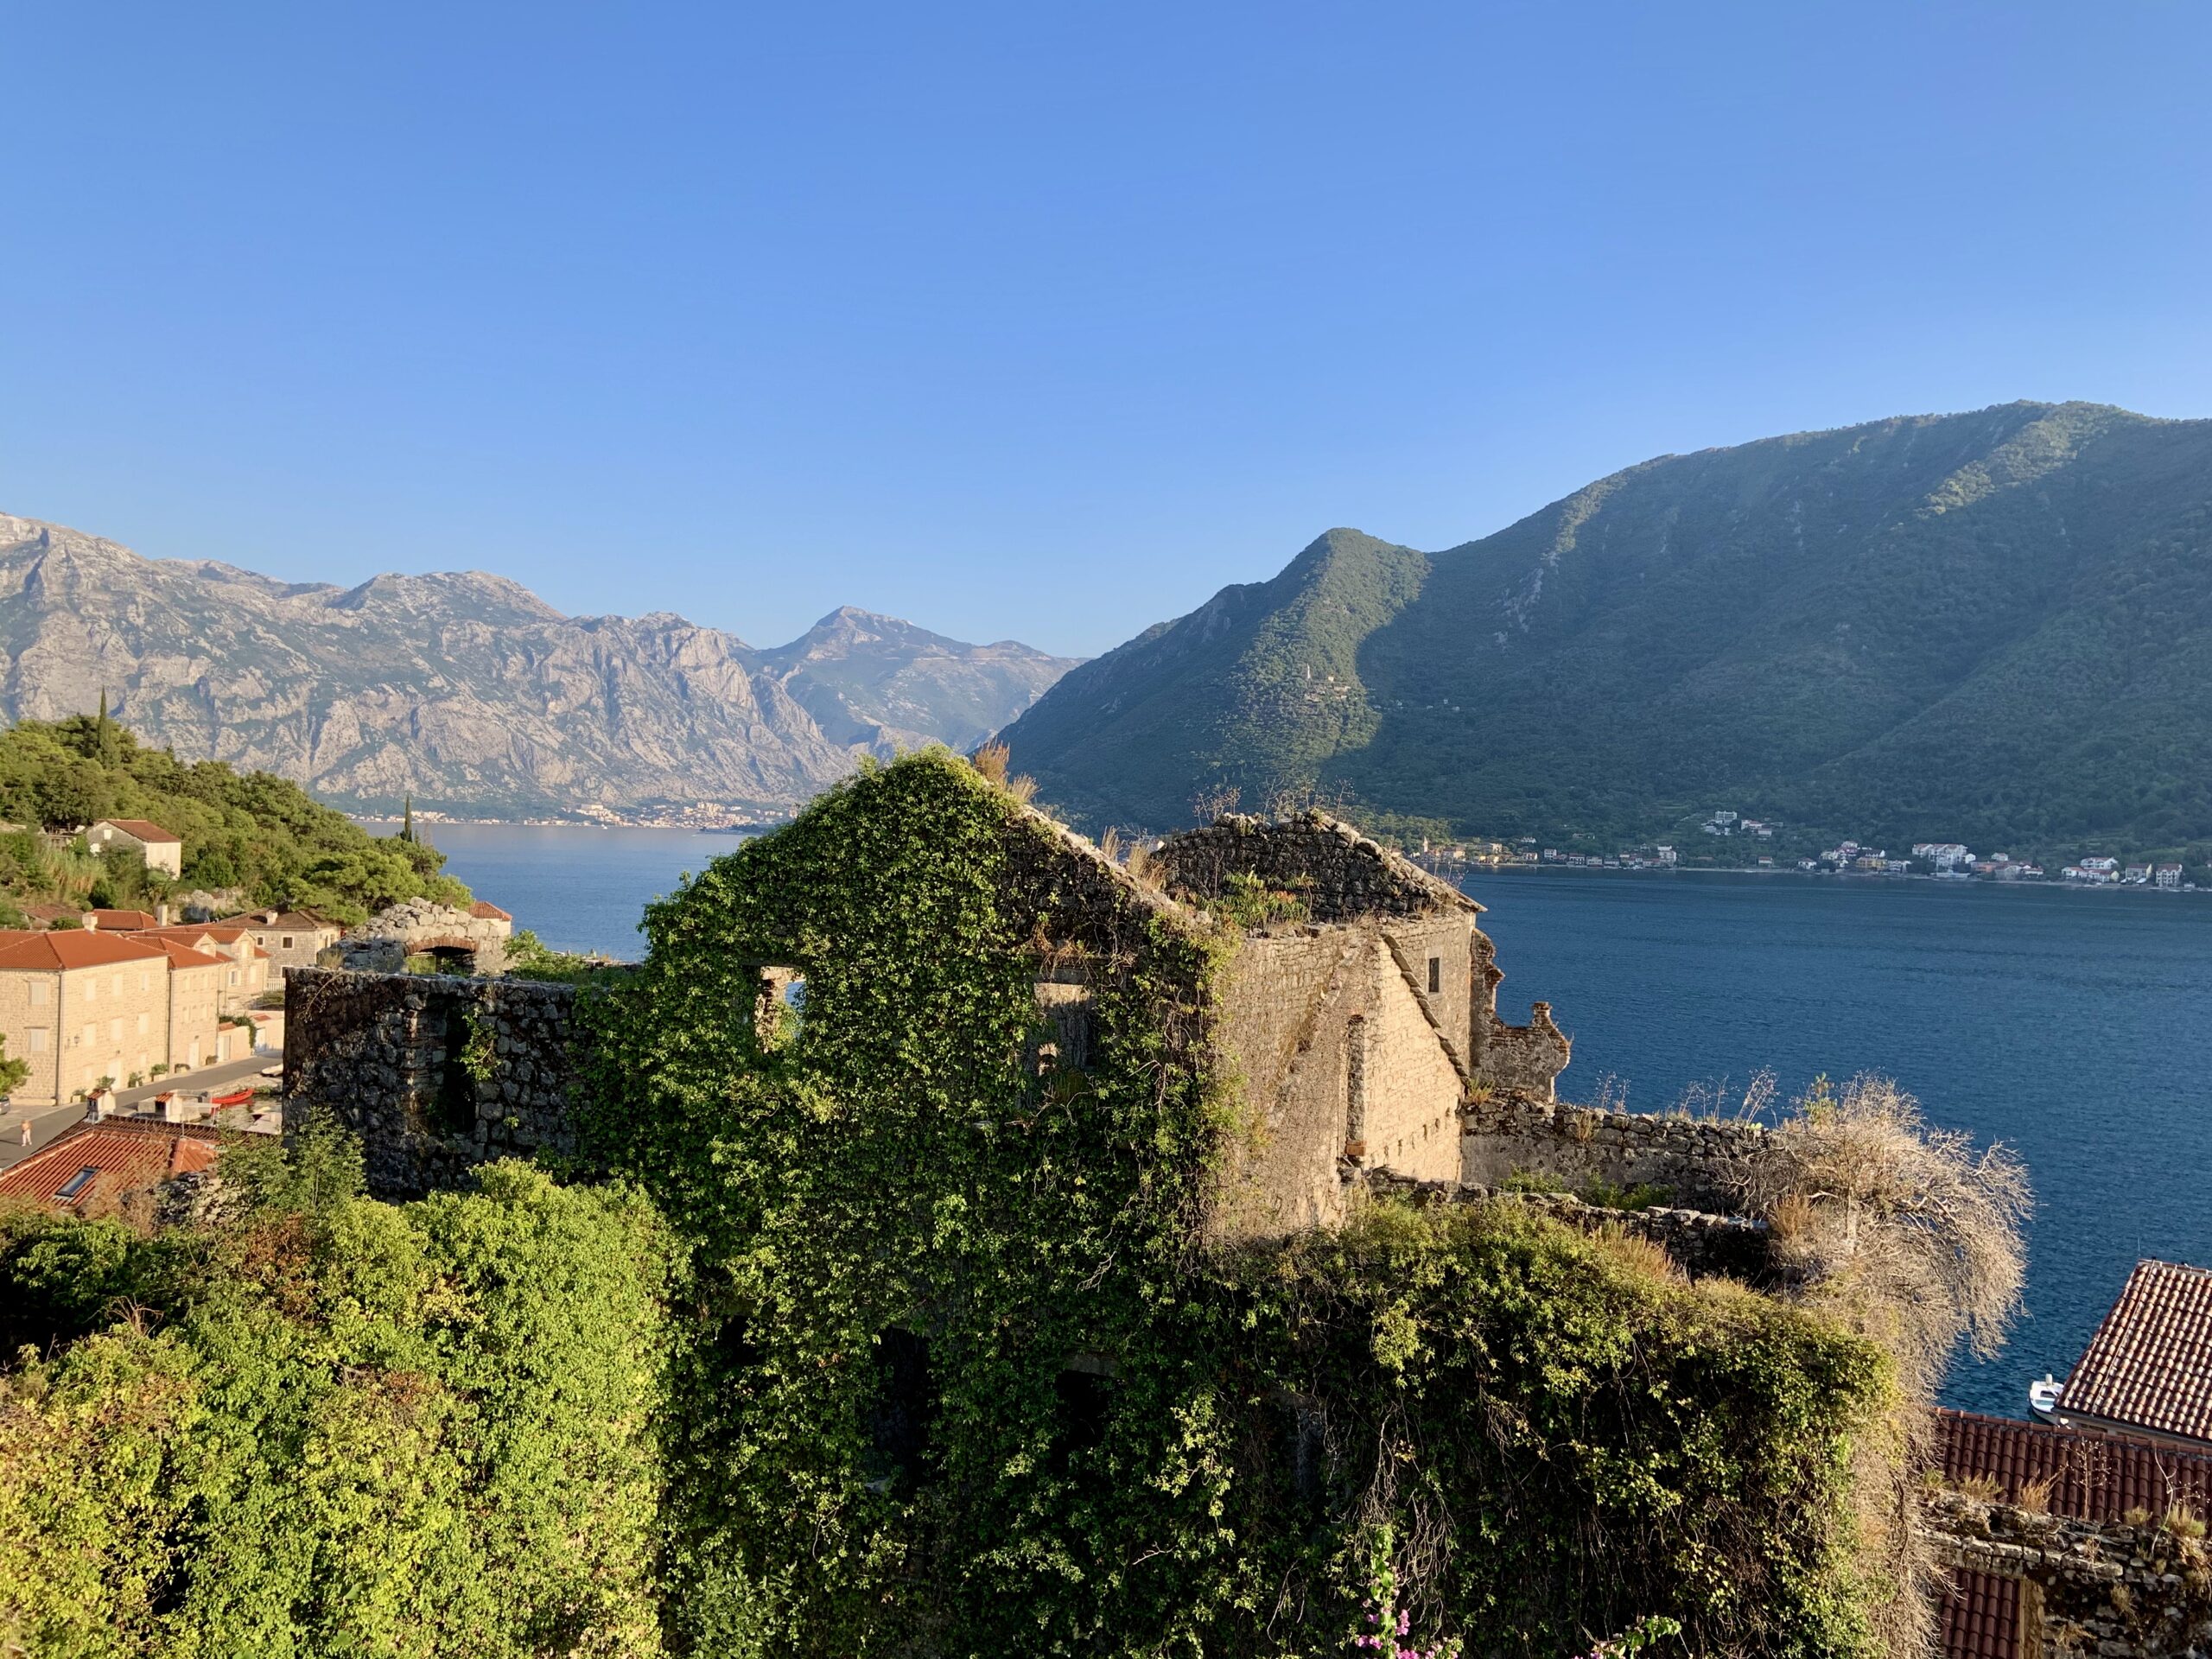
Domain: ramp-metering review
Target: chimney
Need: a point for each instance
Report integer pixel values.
(162, 913)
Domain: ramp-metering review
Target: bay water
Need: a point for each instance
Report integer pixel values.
(2075, 1026)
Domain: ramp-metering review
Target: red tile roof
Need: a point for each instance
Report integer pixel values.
(55, 913)
(183, 956)
(484, 911)
(126, 1155)
(140, 828)
(123, 921)
(70, 950)
(1980, 1613)
(2088, 1476)
(2150, 1364)
(304, 921)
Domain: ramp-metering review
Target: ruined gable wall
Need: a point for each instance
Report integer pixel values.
(1459, 950)
(1280, 1021)
(1405, 1113)
(382, 1051)
(1341, 1069)
(1698, 1161)
(1340, 873)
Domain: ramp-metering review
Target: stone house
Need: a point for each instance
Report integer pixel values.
(290, 938)
(246, 971)
(155, 846)
(79, 1007)
(197, 1035)
(1358, 1020)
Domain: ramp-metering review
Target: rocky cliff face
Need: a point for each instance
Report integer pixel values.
(467, 690)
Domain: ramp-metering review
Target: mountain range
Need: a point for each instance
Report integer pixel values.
(469, 692)
(1993, 628)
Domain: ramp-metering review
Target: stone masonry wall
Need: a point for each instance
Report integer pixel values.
(1526, 1059)
(2108, 1588)
(1701, 1243)
(1340, 873)
(384, 1052)
(1698, 1160)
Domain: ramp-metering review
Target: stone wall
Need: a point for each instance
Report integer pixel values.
(385, 1052)
(1525, 1060)
(1699, 1242)
(1339, 873)
(1698, 1161)
(418, 926)
(2111, 1588)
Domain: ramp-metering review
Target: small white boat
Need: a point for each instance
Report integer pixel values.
(2043, 1397)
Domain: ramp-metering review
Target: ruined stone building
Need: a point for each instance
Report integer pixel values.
(1359, 1019)
(1027, 1105)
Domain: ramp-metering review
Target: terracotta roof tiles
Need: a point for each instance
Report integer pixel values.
(70, 950)
(2150, 1364)
(123, 1155)
(2088, 1476)
(140, 828)
(123, 921)
(1980, 1615)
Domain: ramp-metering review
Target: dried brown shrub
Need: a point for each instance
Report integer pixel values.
(2035, 1495)
(1911, 1232)
(991, 760)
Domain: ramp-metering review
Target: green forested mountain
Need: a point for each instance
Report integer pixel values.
(1995, 627)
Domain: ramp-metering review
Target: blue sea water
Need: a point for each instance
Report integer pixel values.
(2073, 1024)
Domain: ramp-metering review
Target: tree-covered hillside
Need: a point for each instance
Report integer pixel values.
(1995, 627)
(252, 833)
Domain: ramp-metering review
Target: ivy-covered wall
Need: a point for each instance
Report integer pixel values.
(927, 1088)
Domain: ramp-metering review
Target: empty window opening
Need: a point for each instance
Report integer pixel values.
(899, 1420)
(1435, 975)
(1082, 1405)
(1062, 1041)
(456, 1099)
(1304, 1425)
(778, 1006)
(1356, 1087)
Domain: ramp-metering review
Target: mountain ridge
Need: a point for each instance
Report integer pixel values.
(1990, 626)
(467, 690)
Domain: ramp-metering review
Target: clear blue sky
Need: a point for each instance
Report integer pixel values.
(1039, 320)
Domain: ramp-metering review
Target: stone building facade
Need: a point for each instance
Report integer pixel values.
(84, 1009)
(288, 939)
(1358, 1033)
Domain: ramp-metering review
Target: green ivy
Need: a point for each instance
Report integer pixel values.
(1136, 1443)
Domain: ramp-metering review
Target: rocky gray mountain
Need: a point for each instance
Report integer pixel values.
(468, 691)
